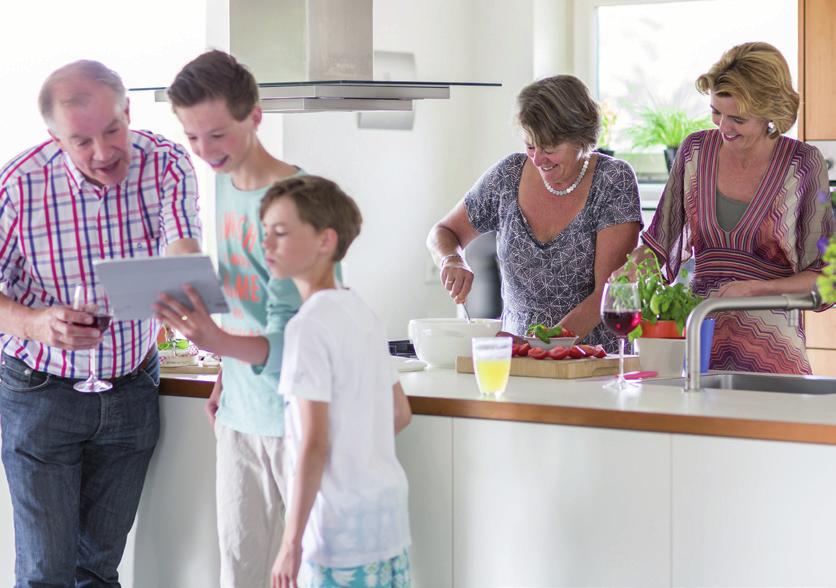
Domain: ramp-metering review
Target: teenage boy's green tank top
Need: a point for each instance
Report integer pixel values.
(250, 402)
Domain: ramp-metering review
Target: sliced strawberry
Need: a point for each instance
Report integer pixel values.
(537, 353)
(592, 351)
(600, 351)
(558, 352)
(523, 349)
(576, 352)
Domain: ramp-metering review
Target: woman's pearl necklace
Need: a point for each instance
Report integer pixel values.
(574, 185)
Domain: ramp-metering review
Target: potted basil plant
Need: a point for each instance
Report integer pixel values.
(665, 308)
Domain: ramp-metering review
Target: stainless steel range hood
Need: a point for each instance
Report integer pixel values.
(315, 56)
(350, 95)
(344, 95)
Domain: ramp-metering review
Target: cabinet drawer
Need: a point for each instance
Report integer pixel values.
(823, 362)
(820, 328)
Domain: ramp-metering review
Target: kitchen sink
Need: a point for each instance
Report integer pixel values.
(790, 384)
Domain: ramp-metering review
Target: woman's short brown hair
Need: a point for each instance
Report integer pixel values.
(215, 75)
(320, 203)
(757, 76)
(557, 110)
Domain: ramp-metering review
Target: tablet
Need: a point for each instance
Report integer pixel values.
(133, 285)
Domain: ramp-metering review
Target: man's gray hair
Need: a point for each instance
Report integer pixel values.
(86, 69)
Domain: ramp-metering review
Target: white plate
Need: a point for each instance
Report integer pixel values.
(553, 342)
(407, 364)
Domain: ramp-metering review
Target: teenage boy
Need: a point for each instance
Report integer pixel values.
(347, 516)
(216, 100)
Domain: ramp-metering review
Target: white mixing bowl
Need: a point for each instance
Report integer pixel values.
(438, 341)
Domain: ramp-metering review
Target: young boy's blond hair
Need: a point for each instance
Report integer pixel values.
(322, 204)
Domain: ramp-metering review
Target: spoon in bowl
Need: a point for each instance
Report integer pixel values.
(466, 314)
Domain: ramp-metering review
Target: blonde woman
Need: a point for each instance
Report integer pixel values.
(743, 200)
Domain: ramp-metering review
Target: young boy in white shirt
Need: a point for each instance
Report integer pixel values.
(348, 515)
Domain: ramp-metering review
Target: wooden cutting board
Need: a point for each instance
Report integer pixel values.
(190, 369)
(563, 369)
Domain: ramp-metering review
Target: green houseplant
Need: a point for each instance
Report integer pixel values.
(608, 119)
(666, 126)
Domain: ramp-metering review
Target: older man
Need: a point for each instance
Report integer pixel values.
(76, 462)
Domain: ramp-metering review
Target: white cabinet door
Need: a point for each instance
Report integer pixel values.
(174, 541)
(549, 506)
(425, 449)
(7, 534)
(753, 513)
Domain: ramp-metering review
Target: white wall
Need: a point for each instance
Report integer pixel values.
(503, 37)
(553, 37)
(404, 181)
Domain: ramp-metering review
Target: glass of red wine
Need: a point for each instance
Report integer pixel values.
(93, 300)
(621, 313)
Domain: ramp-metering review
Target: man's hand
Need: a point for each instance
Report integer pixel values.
(62, 327)
(457, 278)
(286, 566)
(196, 324)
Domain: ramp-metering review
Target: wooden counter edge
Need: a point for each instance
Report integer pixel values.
(185, 386)
(579, 416)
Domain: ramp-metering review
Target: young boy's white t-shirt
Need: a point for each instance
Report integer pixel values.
(335, 351)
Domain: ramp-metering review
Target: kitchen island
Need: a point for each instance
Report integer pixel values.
(557, 483)
(565, 483)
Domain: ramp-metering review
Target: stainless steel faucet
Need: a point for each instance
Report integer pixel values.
(695, 319)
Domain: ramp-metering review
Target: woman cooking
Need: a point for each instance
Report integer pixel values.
(743, 200)
(565, 217)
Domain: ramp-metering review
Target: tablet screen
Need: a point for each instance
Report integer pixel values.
(134, 285)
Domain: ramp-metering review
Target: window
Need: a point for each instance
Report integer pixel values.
(650, 53)
(146, 44)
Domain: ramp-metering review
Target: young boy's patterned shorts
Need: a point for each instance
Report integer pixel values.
(389, 573)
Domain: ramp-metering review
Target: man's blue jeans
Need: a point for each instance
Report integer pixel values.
(75, 463)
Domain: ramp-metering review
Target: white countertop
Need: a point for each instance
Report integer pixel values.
(586, 402)
(589, 393)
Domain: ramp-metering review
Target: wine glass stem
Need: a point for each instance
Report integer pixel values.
(621, 359)
(93, 353)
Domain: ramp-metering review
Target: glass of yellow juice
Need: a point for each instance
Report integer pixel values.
(492, 364)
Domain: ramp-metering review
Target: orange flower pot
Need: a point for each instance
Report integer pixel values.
(661, 330)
